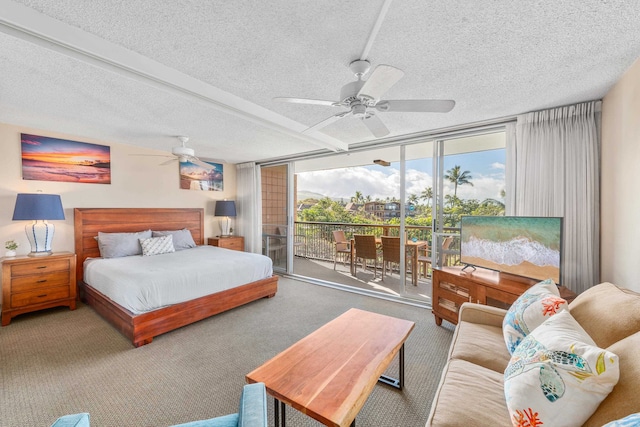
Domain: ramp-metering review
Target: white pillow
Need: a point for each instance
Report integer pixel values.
(115, 245)
(538, 303)
(157, 245)
(558, 376)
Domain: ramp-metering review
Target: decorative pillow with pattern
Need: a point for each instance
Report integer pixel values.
(538, 303)
(558, 376)
(157, 245)
(632, 420)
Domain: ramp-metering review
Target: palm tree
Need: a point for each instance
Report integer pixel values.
(458, 178)
(427, 195)
(358, 198)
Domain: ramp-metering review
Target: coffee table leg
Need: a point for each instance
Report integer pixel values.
(393, 382)
(276, 413)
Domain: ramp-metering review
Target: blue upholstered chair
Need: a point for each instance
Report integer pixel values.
(252, 413)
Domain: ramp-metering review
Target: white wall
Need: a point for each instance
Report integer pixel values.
(620, 198)
(136, 181)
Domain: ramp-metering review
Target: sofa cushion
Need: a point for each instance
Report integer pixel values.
(557, 376)
(625, 397)
(536, 304)
(469, 395)
(607, 312)
(480, 344)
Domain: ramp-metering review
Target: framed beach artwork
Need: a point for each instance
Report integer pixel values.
(53, 159)
(196, 177)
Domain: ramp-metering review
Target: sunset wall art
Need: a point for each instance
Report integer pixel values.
(53, 159)
(195, 177)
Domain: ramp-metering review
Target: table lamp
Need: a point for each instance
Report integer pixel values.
(225, 208)
(39, 208)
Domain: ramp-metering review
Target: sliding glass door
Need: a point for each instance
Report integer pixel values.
(276, 206)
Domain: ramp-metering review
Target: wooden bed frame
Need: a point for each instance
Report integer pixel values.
(141, 328)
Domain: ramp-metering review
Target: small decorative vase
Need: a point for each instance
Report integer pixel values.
(10, 253)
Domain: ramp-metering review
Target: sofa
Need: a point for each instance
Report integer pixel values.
(471, 391)
(252, 413)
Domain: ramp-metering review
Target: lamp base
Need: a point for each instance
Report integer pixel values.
(36, 254)
(40, 235)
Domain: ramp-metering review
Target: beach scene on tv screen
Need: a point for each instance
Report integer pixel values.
(524, 246)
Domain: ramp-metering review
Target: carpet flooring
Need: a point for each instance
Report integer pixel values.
(58, 361)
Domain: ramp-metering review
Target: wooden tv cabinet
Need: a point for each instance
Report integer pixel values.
(452, 287)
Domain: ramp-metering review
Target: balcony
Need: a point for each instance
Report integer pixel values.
(314, 256)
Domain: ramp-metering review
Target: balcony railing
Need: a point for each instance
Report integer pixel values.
(314, 240)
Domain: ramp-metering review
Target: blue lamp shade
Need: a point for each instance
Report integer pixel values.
(225, 208)
(39, 207)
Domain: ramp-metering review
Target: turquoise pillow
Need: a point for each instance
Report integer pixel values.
(73, 420)
(225, 421)
(632, 420)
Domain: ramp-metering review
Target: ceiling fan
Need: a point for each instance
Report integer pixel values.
(182, 154)
(363, 99)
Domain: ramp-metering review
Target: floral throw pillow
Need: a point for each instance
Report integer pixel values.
(558, 376)
(538, 303)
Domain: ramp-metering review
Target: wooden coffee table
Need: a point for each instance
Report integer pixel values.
(330, 373)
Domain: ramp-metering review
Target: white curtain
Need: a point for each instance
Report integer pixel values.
(553, 164)
(249, 201)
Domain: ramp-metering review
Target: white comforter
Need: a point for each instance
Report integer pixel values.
(145, 283)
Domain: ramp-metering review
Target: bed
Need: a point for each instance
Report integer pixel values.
(141, 328)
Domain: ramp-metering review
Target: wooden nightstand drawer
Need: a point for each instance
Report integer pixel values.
(38, 296)
(28, 283)
(235, 243)
(39, 267)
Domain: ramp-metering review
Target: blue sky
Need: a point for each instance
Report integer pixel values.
(486, 167)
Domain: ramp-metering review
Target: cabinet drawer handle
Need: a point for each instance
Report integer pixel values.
(41, 281)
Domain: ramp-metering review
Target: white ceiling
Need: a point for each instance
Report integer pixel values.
(142, 72)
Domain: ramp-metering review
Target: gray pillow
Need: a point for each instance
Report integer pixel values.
(115, 245)
(182, 239)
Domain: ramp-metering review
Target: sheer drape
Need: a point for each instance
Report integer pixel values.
(249, 203)
(554, 162)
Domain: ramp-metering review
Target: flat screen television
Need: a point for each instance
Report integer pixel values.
(520, 245)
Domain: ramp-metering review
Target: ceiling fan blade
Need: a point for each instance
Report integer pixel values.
(375, 125)
(308, 101)
(327, 121)
(168, 162)
(197, 161)
(380, 81)
(416, 105)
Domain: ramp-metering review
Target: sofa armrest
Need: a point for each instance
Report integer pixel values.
(253, 406)
(482, 314)
(73, 420)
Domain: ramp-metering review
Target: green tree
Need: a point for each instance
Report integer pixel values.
(427, 195)
(458, 178)
(358, 197)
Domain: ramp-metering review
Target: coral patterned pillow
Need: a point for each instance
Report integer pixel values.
(558, 376)
(538, 303)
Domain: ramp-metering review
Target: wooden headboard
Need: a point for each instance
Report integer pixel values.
(89, 221)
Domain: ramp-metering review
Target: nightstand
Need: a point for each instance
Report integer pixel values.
(235, 243)
(34, 283)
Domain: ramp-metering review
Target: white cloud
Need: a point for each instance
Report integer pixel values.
(343, 183)
(497, 165)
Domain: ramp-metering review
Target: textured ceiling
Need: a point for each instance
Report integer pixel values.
(142, 72)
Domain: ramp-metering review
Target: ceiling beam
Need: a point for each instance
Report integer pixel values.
(29, 25)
